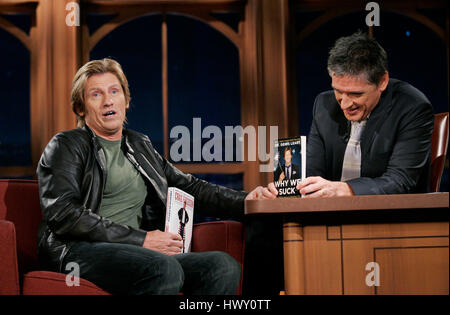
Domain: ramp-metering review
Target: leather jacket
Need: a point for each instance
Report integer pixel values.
(72, 175)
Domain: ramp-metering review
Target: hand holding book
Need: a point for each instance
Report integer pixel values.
(316, 186)
(163, 242)
(269, 192)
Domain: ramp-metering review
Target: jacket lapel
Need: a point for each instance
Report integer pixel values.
(147, 169)
(376, 119)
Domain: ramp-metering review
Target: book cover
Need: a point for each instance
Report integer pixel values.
(180, 215)
(289, 165)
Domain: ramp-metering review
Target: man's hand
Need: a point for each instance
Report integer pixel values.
(316, 186)
(282, 177)
(269, 192)
(163, 242)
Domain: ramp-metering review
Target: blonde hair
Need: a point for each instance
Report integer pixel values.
(105, 65)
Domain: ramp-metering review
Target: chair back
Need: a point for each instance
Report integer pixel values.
(19, 203)
(439, 146)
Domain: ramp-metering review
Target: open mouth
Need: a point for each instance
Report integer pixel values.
(352, 111)
(109, 113)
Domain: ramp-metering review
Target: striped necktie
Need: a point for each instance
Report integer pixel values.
(351, 167)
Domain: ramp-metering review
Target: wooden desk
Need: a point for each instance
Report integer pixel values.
(329, 243)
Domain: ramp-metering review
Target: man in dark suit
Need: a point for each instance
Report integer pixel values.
(289, 170)
(371, 134)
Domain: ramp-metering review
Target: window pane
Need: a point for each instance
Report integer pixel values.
(312, 55)
(416, 55)
(15, 144)
(136, 45)
(203, 78)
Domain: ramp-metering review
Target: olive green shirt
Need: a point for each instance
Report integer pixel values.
(125, 190)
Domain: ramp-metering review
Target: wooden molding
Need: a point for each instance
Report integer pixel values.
(212, 168)
(16, 32)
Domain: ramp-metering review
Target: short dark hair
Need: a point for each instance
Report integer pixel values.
(287, 149)
(358, 54)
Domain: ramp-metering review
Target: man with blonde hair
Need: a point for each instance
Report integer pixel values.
(103, 190)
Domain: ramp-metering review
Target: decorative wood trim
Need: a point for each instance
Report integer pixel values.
(250, 59)
(175, 6)
(165, 87)
(212, 168)
(359, 5)
(17, 171)
(41, 80)
(18, 6)
(319, 21)
(128, 15)
(16, 32)
(335, 12)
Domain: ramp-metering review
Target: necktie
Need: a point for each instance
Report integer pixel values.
(351, 167)
(288, 172)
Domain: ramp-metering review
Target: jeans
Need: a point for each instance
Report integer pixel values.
(134, 270)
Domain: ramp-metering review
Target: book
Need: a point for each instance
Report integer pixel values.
(180, 215)
(289, 165)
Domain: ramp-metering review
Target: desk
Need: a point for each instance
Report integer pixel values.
(385, 244)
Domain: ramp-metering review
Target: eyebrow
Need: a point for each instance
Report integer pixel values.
(115, 85)
(349, 92)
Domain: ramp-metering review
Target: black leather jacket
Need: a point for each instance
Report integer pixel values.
(72, 176)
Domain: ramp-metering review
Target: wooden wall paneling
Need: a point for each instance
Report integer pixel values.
(251, 80)
(65, 63)
(54, 60)
(323, 272)
(398, 249)
(291, 70)
(274, 106)
(294, 258)
(399, 230)
(41, 80)
(413, 270)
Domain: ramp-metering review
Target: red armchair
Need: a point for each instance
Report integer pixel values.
(20, 215)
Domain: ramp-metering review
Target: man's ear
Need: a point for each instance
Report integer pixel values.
(384, 82)
(127, 106)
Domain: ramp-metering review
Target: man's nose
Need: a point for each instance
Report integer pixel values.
(109, 101)
(346, 101)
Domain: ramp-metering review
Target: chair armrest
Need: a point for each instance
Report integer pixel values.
(9, 273)
(225, 236)
(54, 283)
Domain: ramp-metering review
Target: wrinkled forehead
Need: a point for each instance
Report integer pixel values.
(102, 81)
(350, 83)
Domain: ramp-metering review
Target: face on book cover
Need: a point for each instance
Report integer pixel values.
(357, 97)
(105, 105)
(288, 157)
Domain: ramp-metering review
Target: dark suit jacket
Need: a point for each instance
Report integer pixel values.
(395, 144)
(295, 173)
(180, 216)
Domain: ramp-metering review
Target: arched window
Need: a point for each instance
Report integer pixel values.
(15, 136)
(141, 62)
(181, 72)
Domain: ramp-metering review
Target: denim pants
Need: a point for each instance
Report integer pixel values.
(134, 270)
